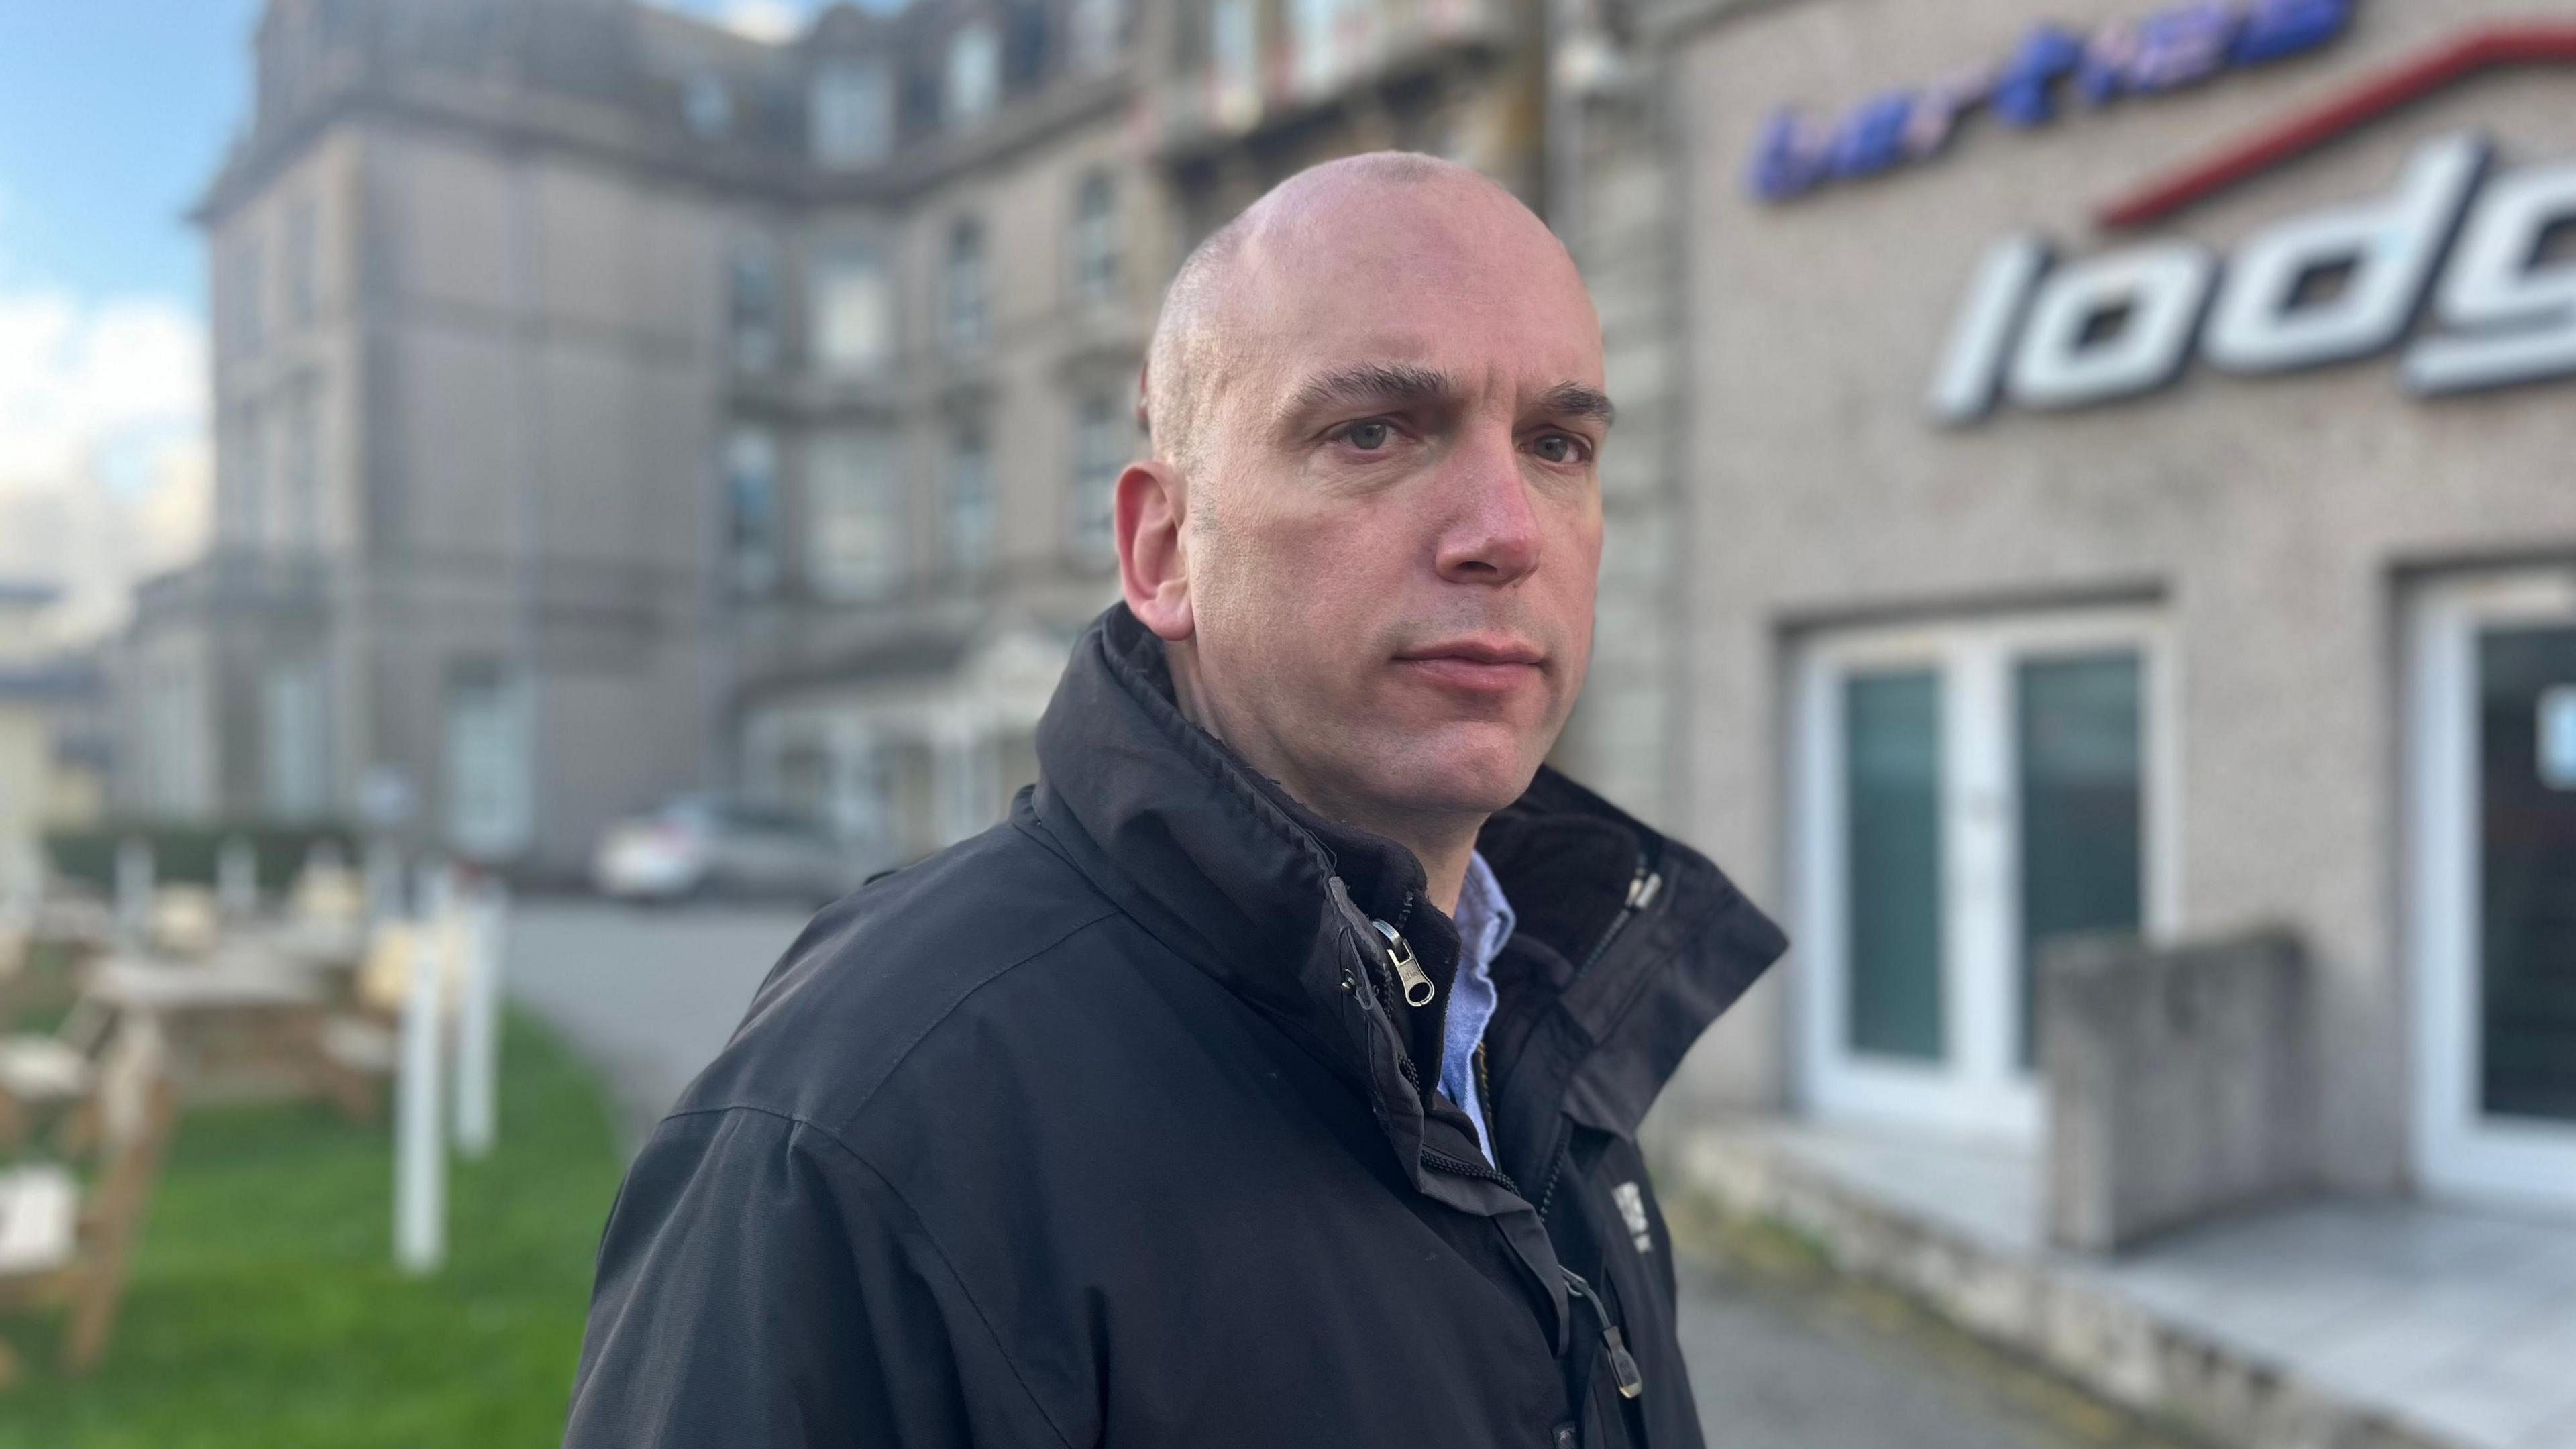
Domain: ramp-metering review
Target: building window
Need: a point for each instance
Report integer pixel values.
(1094, 244)
(249, 304)
(966, 300)
(243, 517)
(1095, 32)
(853, 309)
(302, 227)
(751, 290)
(706, 105)
(2492, 786)
(853, 113)
(1099, 454)
(854, 533)
(1234, 57)
(1968, 792)
(300, 479)
(974, 74)
(295, 780)
(970, 503)
(751, 511)
(491, 787)
(177, 753)
(1328, 38)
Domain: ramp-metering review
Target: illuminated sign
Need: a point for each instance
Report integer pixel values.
(2167, 51)
(2334, 284)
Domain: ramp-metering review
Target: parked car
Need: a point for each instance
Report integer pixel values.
(717, 845)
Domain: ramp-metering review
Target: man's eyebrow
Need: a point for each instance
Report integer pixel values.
(1367, 382)
(1574, 400)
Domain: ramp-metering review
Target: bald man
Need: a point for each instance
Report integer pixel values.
(1272, 1076)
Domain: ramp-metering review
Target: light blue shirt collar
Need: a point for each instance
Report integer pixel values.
(1485, 921)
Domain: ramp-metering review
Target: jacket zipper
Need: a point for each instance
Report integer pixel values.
(1403, 1060)
(1623, 1364)
(1642, 888)
(1418, 989)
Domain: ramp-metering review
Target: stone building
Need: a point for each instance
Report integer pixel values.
(1244, 93)
(2122, 457)
(609, 404)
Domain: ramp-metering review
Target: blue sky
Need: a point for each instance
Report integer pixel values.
(112, 115)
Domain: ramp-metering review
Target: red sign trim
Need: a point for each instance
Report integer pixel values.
(2482, 48)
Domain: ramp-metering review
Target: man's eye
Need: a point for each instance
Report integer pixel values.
(1559, 448)
(1367, 437)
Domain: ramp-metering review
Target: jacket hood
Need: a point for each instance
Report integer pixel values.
(1276, 901)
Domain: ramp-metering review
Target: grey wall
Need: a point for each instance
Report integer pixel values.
(2271, 513)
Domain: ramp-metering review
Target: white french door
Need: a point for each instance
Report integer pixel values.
(2492, 925)
(1966, 791)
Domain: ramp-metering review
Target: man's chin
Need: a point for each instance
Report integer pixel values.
(1464, 776)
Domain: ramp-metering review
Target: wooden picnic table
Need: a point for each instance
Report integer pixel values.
(237, 1027)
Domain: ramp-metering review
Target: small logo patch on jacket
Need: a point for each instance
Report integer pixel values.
(1632, 1208)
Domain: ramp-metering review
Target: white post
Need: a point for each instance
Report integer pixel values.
(478, 1020)
(420, 1156)
(237, 879)
(133, 889)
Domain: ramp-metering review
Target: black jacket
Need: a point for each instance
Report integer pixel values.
(1110, 1126)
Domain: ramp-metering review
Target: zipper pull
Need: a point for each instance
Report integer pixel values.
(1623, 1364)
(1418, 989)
(1641, 891)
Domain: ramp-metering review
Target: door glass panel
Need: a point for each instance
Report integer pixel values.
(2527, 874)
(2080, 728)
(1892, 771)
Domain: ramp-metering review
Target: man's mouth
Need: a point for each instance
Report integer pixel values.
(1482, 663)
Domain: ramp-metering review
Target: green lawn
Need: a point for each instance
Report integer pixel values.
(264, 1309)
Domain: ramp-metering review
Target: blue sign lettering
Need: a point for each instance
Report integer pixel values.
(2182, 45)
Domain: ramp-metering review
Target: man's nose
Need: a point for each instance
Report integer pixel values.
(1490, 532)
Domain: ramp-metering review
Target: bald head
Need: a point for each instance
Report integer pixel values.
(1370, 531)
(1399, 209)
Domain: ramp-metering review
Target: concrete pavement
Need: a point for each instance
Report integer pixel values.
(648, 994)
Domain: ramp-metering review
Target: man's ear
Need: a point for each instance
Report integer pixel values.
(1153, 566)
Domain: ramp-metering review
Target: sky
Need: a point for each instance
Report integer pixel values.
(113, 116)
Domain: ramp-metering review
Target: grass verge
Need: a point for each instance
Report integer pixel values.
(264, 1309)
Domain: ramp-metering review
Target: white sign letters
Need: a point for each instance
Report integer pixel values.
(2314, 289)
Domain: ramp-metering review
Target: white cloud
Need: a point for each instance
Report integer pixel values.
(75, 380)
(775, 21)
(104, 467)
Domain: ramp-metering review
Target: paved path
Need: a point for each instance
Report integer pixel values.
(1780, 1359)
(649, 994)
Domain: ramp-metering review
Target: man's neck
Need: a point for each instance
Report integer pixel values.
(1443, 845)
(1442, 842)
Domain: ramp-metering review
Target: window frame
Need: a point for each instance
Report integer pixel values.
(966, 272)
(836, 503)
(970, 75)
(846, 253)
(851, 112)
(1980, 1085)
(1091, 530)
(1096, 243)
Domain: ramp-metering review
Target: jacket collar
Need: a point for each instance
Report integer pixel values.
(1275, 901)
